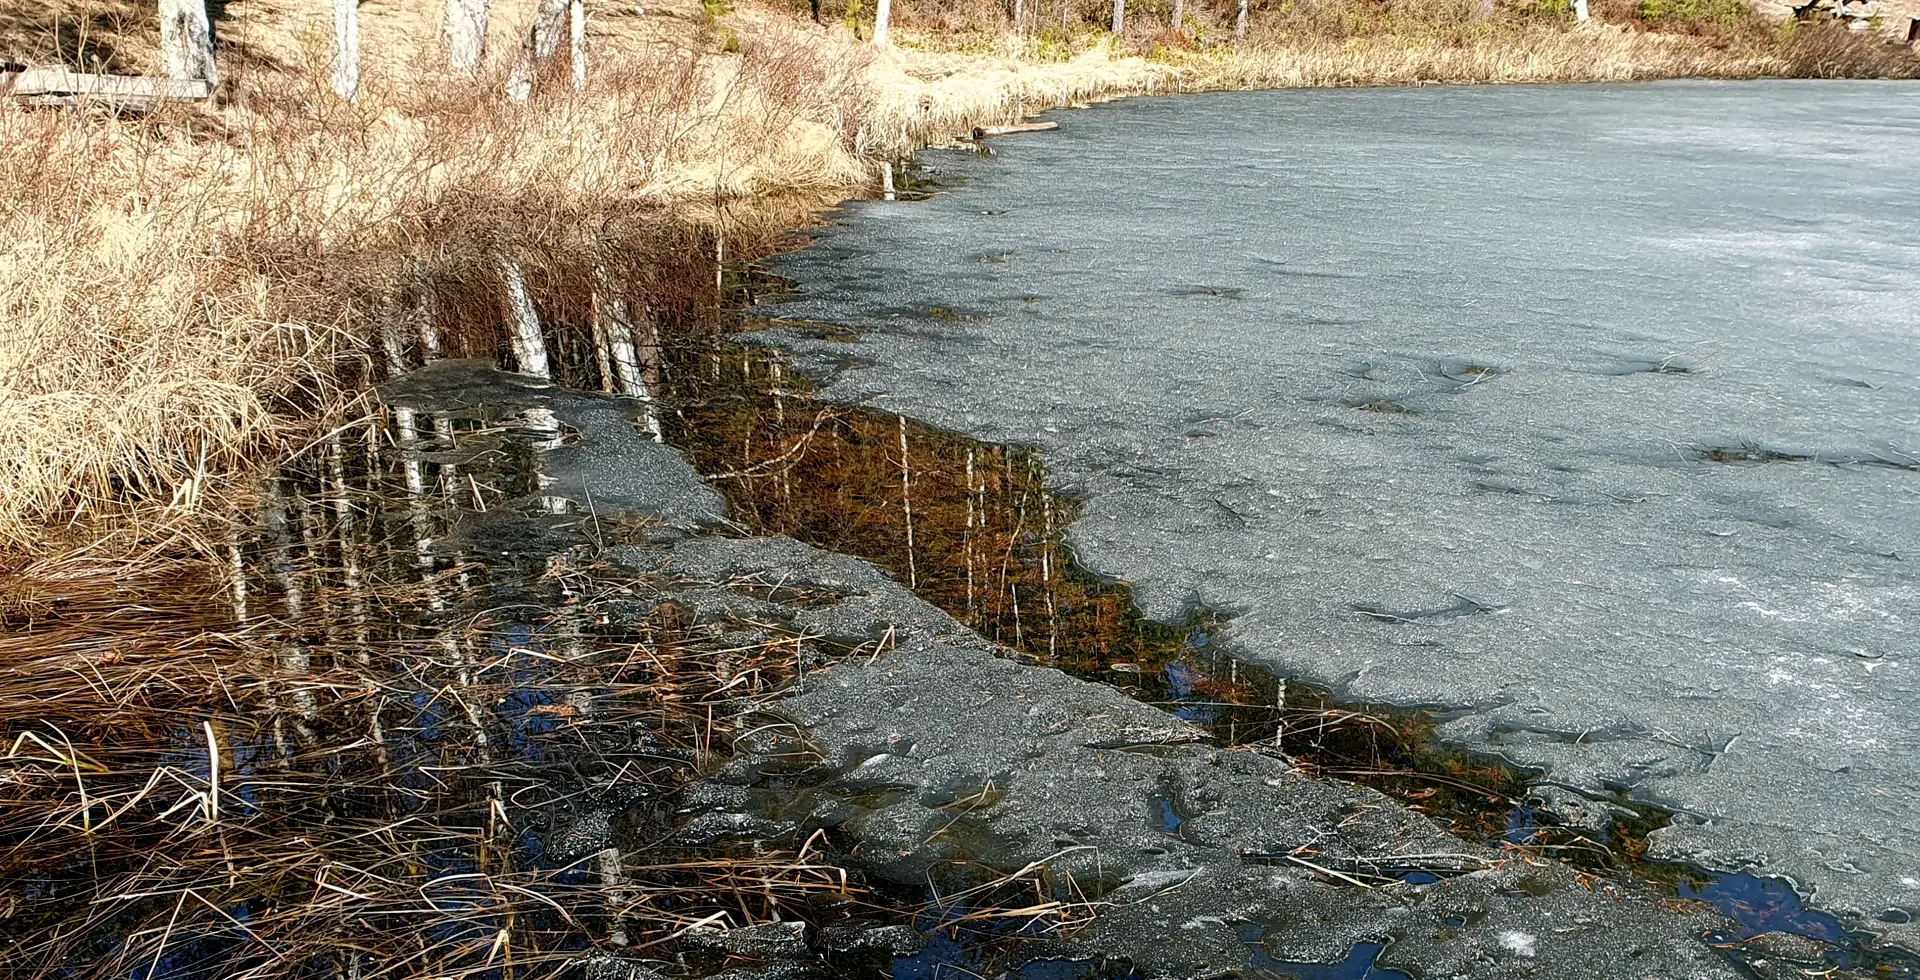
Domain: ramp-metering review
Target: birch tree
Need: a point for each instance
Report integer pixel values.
(577, 35)
(630, 362)
(1179, 13)
(1240, 21)
(523, 322)
(346, 49)
(543, 39)
(882, 17)
(1119, 16)
(1580, 11)
(186, 40)
(420, 291)
(464, 30)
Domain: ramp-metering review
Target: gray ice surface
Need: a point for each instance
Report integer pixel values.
(1152, 824)
(1184, 300)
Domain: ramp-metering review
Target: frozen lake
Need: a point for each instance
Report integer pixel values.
(1592, 413)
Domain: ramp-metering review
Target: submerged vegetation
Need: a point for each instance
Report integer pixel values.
(369, 758)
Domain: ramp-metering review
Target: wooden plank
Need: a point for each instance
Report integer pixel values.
(1023, 127)
(56, 84)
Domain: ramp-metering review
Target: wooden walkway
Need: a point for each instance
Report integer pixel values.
(59, 87)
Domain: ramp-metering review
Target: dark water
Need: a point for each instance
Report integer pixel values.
(1588, 413)
(419, 731)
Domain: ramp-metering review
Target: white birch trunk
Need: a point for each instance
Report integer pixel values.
(577, 35)
(406, 433)
(1119, 16)
(523, 323)
(294, 658)
(1240, 21)
(647, 344)
(343, 531)
(464, 30)
(186, 40)
(277, 517)
(543, 39)
(393, 344)
(602, 347)
(1580, 11)
(974, 519)
(882, 17)
(543, 431)
(886, 181)
(346, 49)
(1019, 9)
(617, 324)
(614, 320)
(406, 427)
(423, 322)
(237, 572)
(1179, 13)
(445, 438)
(612, 876)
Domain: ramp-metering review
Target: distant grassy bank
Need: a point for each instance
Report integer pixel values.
(187, 294)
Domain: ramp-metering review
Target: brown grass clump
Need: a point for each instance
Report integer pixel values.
(135, 357)
(1829, 50)
(97, 35)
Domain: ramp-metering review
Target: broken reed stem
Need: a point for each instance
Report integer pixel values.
(906, 505)
(974, 519)
(213, 774)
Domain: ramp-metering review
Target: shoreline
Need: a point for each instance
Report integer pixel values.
(849, 726)
(408, 226)
(689, 305)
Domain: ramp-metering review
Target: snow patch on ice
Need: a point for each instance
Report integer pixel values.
(1521, 943)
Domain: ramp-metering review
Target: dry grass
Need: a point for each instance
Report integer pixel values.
(99, 35)
(190, 789)
(181, 293)
(1528, 54)
(1452, 41)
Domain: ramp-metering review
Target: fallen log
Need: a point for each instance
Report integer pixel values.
(981, 132)
(59, 87)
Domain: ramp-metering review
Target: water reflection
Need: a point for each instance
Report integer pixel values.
(974, 529)
(374, 750)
